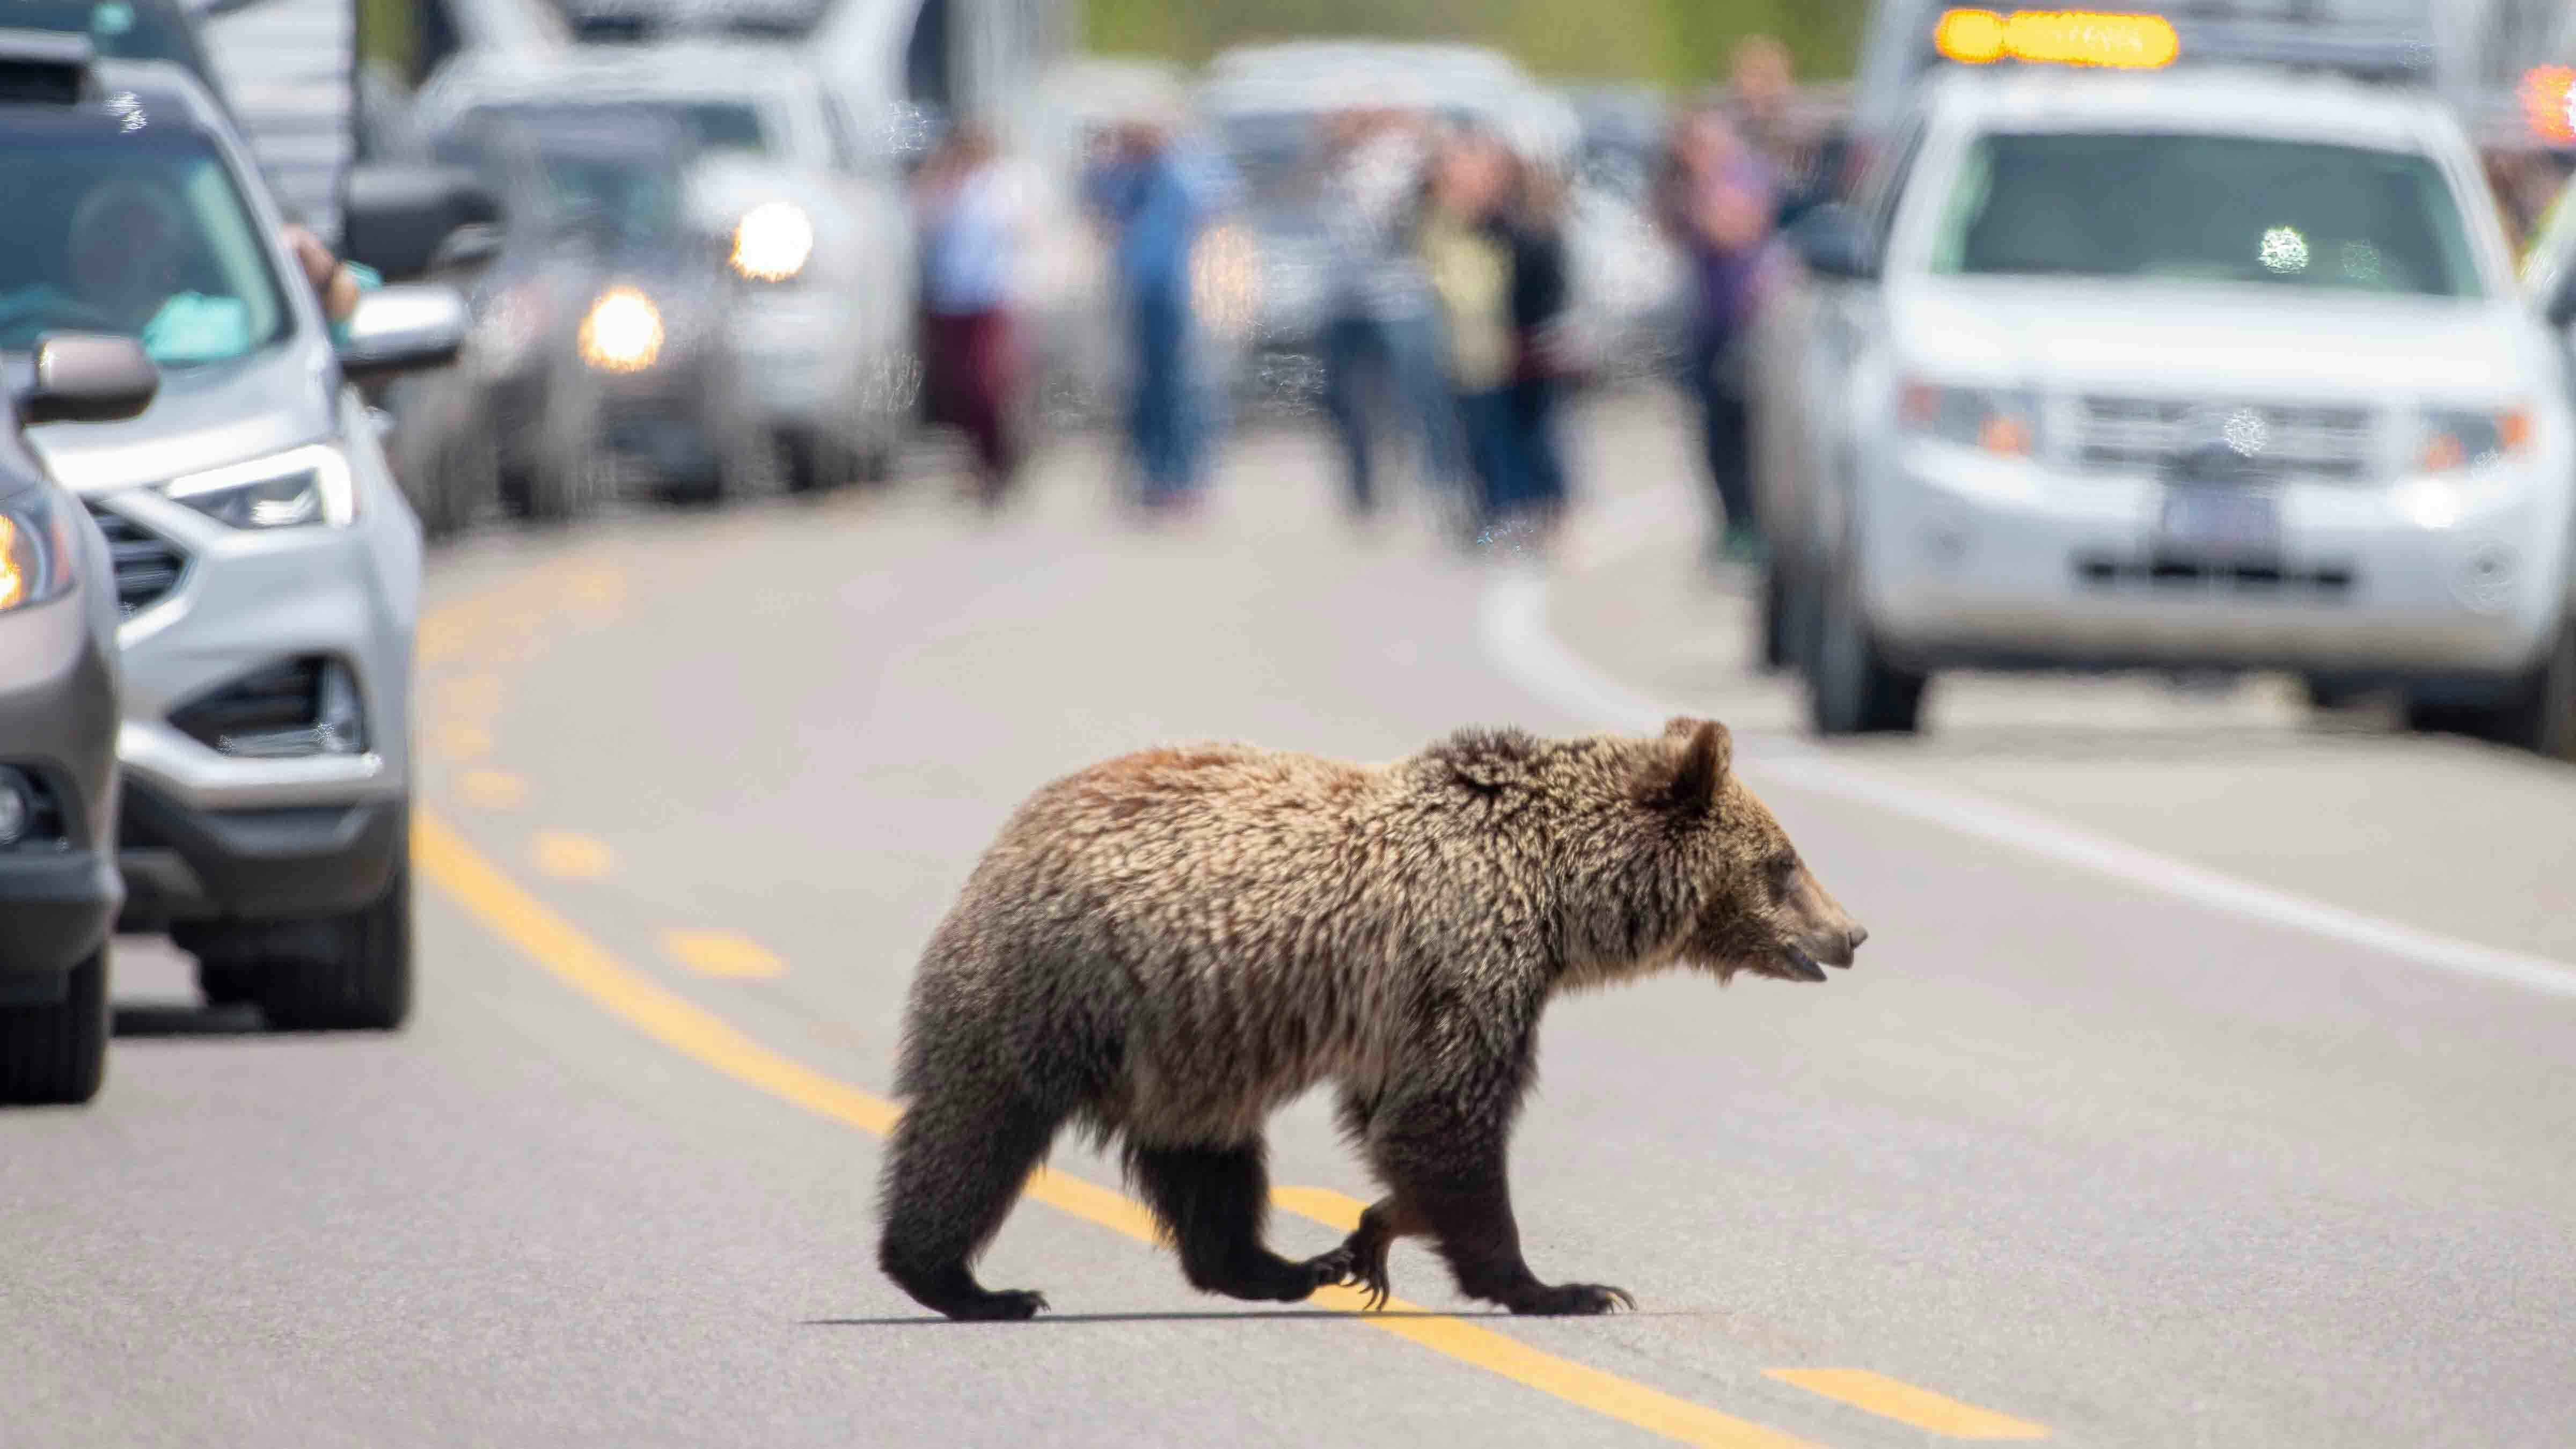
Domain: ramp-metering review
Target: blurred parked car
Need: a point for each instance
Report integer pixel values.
(2282, 406)
(59, 888)
(600, 331)
(266, 565)
(821, 317)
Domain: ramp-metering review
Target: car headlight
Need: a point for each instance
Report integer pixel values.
(37, 552)
(2002, 421)
(293, 489)
(2457, 438)
(1227, 280)
(773, 241)
(622, 331)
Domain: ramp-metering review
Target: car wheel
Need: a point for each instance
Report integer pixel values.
(227, 983)
(2537, 714)
(362, 980)
(57, 1053)
(807, 458)
(1852, 688)
(1771, 630)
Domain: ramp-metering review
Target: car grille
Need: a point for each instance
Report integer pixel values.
(148, 566)
(2145, 435)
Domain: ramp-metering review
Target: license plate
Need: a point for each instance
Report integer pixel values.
(2213, 523)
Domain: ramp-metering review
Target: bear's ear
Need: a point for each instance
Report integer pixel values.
(1704, 761)
(1682, 727)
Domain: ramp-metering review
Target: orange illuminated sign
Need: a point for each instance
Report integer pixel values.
(2545, 97)
(2057, 37)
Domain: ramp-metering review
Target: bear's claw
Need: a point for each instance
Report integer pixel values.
(1573, 1299)
(1362, 1267)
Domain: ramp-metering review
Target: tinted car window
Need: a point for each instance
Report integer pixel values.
(625, 202)
(138, 230)
(718, 125)
(117, 29)
(2218, 208)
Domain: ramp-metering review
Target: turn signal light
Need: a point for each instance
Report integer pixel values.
(2007, 436)
(2057, 37)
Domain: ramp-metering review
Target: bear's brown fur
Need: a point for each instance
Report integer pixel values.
(1168, 947)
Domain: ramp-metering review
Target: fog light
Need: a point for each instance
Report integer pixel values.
(338, 726)
(17, 807)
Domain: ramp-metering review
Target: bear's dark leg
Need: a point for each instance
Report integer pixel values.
(1444, 1157)
(1215, 1201)
(952, 1176)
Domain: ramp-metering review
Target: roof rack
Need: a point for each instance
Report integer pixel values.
(49, 67)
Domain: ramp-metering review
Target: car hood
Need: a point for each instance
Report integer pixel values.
(203, 417)
(2197, 338)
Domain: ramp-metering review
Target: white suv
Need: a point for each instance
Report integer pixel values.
(2210, 367)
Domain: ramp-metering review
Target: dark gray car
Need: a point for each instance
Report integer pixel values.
(59, 887)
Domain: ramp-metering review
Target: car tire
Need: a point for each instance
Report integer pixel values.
(2537, 714)
(1771, 627)
(57, 1054)
(361, 982)
(808, 460)
(1852, 687)
(227, 983)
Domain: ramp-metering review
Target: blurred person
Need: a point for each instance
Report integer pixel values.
(1544, 364)
(1717, 198)
(971, 228)
(1761, 103)
(1381, 318)
(1466, 248)
(1157, 198)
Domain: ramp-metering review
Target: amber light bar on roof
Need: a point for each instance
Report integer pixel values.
(2548, 105)
(2057, 37)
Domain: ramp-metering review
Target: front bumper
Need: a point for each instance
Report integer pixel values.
(1969, 560)
(184, 865)
(58, 887)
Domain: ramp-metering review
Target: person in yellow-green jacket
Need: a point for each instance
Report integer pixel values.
(1467, 254)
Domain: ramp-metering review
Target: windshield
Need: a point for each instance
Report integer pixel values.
(1267, 148)
(2209, 208)
(717, 124)
(139, 232)
(626, 202)
(117, 29)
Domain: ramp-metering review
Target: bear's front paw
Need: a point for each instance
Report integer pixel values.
(1570, 1299)
(1356, 1265)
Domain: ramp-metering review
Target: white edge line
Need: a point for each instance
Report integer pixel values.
(1512, 624)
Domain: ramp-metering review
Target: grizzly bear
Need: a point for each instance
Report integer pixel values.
(1168, 947)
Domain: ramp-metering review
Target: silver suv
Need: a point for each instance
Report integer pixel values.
(267, 569)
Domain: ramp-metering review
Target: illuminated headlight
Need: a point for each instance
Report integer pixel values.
(299, 487)
(2453, 439)
(623, 331)
(36, 553)
(2001, 421)
(772, 242)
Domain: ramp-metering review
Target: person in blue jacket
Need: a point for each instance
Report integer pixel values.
(1157, 196)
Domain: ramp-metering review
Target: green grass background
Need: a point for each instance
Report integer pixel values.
(1667, 42)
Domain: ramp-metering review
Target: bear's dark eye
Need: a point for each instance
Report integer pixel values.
(1778, 872)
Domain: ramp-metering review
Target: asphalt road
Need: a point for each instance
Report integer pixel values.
(2204, 1082)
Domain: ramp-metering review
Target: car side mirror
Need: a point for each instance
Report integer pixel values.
(409, 221)
(404, 329)
(1833, 243)
(87, 377)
